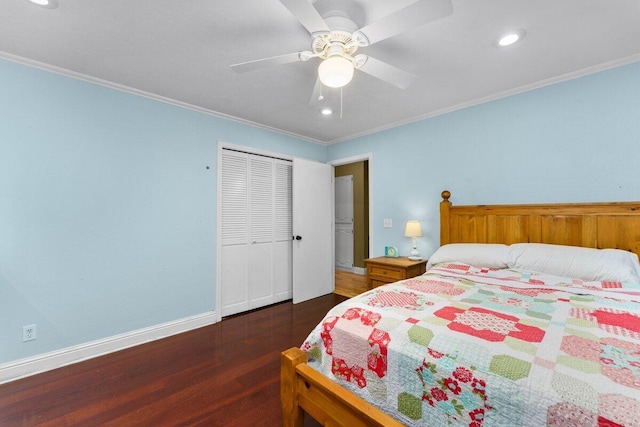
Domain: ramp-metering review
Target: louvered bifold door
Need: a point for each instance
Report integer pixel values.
(234, 232)
(261, 208)
(283, 271)
(256, 257)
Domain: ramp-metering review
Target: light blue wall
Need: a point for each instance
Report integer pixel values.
(108, 213)
(107, 209)
(577, 141)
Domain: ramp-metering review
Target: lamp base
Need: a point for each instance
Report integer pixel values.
(415, 254)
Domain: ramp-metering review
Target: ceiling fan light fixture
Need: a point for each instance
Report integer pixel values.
(335, 71)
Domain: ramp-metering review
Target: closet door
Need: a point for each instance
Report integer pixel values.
(313, 214)
(234, 189)
(283, 244)
(261, 207)
(256, 253)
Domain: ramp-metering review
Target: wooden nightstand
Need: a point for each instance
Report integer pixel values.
(383, 270)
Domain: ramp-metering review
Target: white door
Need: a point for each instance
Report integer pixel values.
(344, 199)
(312, 229)
(234, 188)
(344, 222)
(344, 247)
(261, 216)
(256, 230)
(282, 247)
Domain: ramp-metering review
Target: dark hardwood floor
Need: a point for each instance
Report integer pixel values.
(227, 374)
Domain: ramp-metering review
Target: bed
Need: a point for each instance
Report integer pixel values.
(499, 331)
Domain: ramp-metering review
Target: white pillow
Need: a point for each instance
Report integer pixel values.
(491, 255)
(609, 265)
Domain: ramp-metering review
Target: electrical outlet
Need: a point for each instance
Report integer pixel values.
(28, 333)
(388, 223)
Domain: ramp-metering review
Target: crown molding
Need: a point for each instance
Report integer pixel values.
(521, 89)
(122, 88)
(505, 94)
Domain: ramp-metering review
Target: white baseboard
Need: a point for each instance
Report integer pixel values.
(359, 270)
(56, 359)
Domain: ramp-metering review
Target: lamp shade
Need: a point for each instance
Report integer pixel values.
(335, 71)
(413, 229)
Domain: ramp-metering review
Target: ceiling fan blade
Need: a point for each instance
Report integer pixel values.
(243, 67)
(406, 19)
(318, 93)
(388, 73)
(306, 14)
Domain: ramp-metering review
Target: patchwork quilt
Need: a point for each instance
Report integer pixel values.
(471, 346)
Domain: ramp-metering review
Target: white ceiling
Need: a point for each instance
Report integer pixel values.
(180, 51)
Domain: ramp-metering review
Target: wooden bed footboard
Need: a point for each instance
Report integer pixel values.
(303, 389)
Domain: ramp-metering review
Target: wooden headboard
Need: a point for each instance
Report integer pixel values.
(592, 225)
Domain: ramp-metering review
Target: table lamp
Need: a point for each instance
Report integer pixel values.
(413, 230)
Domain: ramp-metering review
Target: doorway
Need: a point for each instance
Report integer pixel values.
(360, 168)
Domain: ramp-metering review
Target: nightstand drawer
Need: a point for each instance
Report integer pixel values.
(386, 272)
(375, 283)
(383, 270)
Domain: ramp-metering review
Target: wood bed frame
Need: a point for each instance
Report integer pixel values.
(594, 225)
(591, 225)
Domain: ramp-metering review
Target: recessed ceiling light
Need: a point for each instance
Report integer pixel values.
(510, 37)
(326, 111)
(48, 4)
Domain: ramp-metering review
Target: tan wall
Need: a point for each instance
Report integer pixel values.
(360, 172)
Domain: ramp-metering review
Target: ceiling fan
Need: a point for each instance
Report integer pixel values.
(335, 39)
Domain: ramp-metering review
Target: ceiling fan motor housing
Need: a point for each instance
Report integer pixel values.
(335, 43)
